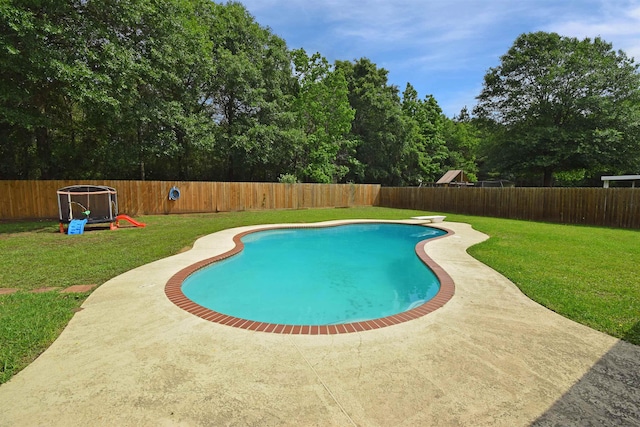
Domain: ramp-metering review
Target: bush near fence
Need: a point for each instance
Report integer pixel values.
(610, 207)
(38, 200)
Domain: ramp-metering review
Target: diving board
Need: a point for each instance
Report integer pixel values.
(430, 218)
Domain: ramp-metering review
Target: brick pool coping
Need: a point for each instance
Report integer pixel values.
(173, 291)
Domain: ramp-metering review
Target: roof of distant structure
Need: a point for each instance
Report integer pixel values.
(451, 176)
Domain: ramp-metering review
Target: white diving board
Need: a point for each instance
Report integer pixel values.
(430, 218)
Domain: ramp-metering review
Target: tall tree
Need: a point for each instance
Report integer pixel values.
(378, 126)
(562, 104)
(157, 57)
(43, 78)
(424, 146)
(193, 89)
(250, 93)
(96, 89)
(462, 139)
(324, 116)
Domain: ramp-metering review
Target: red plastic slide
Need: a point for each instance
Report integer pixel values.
(129, 219)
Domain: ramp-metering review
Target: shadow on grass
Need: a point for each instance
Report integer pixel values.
(607, 395)
(7, 227)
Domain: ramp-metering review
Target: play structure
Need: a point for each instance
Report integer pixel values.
(79, 205)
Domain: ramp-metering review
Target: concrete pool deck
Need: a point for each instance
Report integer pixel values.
(490, 356)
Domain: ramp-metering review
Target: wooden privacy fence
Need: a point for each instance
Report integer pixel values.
(610, 207)
(37, 199)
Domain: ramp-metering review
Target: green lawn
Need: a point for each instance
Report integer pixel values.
(585, 273)
(588, 274)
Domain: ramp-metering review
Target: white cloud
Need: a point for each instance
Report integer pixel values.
(442, 47)
(616, 22)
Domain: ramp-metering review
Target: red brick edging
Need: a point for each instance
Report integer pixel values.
(173, 291)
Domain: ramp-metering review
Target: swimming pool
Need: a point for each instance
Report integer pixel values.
(328, 280)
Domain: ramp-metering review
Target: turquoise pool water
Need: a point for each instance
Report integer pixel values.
(319, 276)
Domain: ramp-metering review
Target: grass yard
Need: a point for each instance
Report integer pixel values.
(585, 273)
(588, 274)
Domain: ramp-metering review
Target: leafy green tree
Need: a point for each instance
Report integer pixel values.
(156, 55)
(250, 94)
(98, 89)
(462, 139)
(324, 116)
(193, 89)
(416, 165)
(425, 149)
(560, 105)
(43, 79)
(378, 126)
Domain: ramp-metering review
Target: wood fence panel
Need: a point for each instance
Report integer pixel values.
(35, 202)
(346, 195)
(250, 197)
(135, 201)
(261, 194)
(242, 200)
(222, 197)
(280, 196)
(354, 195)
(230, 197)
(363, 195)
(332, 196)
(314, 197)
(288, 194)
(343, 196)
(192, 197)
(304, 191)
(293, 194)
(266, 196)
(237, 196)
(611, 207)
(596, 199)
(537, 208)
(319, 197)
(342, 193)
(246, 197)
(328, 197)
(28, 194)
(38, 199)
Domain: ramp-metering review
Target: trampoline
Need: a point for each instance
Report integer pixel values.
(97, 204)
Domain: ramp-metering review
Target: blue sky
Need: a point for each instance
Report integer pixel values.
(442, 47)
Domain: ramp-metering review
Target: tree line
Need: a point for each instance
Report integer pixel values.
(196, 90)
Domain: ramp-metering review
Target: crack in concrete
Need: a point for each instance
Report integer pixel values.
(326, 387)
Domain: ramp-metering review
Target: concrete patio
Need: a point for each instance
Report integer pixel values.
(490, 356)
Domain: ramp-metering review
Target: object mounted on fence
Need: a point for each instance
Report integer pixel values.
(174, 193)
